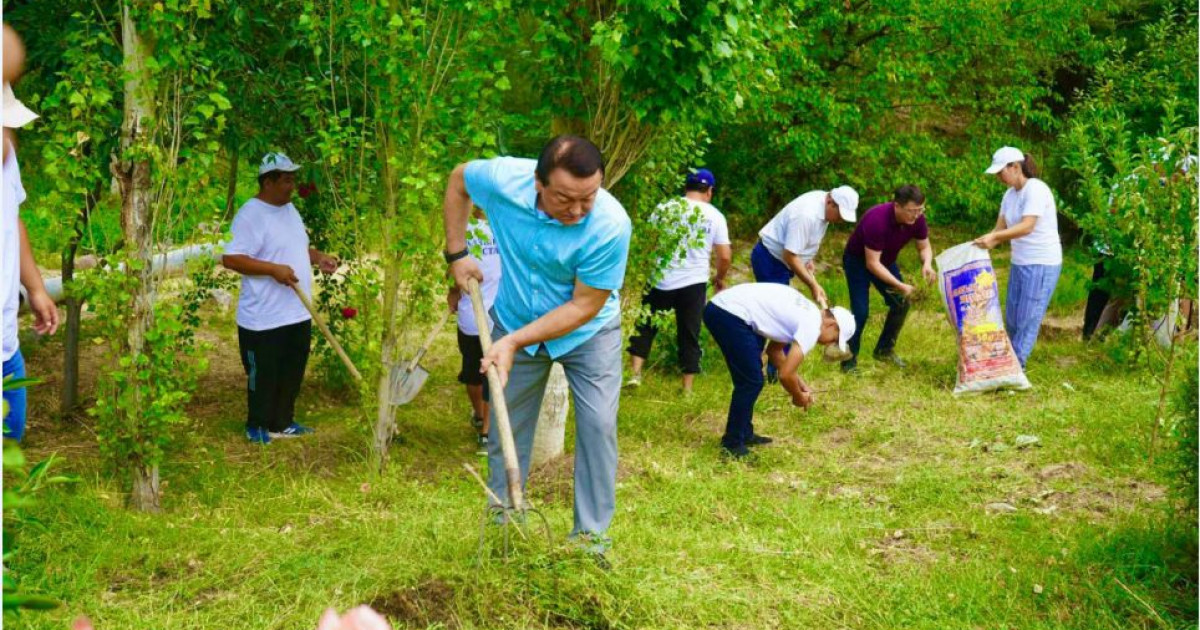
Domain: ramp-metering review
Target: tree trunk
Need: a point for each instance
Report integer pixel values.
(69, 399)
(136, 220)
(385, 418)
(146, 494)
(551, 430)
(231, 191)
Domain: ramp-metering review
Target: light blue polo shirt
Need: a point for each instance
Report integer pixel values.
(542, 257)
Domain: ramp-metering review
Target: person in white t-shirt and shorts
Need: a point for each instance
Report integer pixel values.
(269, 247)
(482, 248)
(684, 286)
(743, 318)
(1029, 220)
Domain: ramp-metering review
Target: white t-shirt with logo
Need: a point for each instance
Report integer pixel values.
(479, 238)
(693, 268)
(798, 228)
(13, 195)
(274, 234)
(775, 311)
(1041, 246)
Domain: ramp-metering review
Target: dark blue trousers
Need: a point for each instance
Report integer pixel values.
(742, 348)
(859, 280)
(768, 268)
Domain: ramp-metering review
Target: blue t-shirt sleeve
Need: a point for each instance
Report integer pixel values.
(604, 263)
(480, 179)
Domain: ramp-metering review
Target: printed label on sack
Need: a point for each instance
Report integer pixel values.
(973, 299)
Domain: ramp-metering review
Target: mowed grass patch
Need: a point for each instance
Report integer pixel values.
(889, 504)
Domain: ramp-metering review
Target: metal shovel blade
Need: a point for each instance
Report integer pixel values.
(406, 384)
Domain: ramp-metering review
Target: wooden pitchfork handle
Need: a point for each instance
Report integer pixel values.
(337, 347)
(512, 468)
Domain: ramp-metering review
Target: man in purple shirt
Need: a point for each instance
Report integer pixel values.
(870, 259)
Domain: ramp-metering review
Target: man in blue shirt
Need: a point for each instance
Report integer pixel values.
(567, 241)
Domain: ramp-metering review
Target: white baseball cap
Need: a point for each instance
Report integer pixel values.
(277, 162)
(15, 113)
(846, 199)
(846, 328)
(1003, 157)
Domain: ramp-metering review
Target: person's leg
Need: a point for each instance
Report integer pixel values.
(897, 312)
(858, 284)
(742, 349)
(260, 362)
(1097, 299)
(1033, 286)
(593, 371)
(643, 339)
(471, 351)
(295, 342)
(689, 311)
(768, 268)
(16, 399)
(523, 395)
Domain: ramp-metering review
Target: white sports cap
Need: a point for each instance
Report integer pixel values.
(15, 113)
(846, 199)
(846, 328)
(277, 162)
(1003, 157)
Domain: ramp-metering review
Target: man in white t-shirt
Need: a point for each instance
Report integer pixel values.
(743, 318)
(481, 247)
(684, 285)
(17, 268)
(270, 249)
(789, 242)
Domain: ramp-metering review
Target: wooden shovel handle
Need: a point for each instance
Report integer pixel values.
(512, 468)
(412, 365)
(337, 347)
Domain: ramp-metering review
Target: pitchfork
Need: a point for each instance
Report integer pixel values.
(518, 508)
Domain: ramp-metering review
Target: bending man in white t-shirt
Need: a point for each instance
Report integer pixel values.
(270, 249)
(788, 243)
(684, 287)
(741, 319)
(481, 247)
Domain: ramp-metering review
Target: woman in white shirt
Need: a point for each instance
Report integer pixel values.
(741, 319)
(1029, 220)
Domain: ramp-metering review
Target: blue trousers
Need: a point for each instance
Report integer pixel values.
(768, 268)
(14, 422)
(859, 281)
(593, 371)
(1030, 288)
(742, 348)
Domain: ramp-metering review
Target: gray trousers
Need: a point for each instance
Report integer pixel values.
(593, 371)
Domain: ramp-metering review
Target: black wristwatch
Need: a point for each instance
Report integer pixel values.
(450, 258)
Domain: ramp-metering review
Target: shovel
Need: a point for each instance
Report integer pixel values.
(333, 343)
(518, 509)
(407, 383)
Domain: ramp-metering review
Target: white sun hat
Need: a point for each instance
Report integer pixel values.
(15, 113)
(1003, 157)
(846, 199)
(277, 162)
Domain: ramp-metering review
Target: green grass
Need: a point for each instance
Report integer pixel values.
(869, 511)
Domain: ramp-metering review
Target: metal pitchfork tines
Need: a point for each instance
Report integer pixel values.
(517, 511)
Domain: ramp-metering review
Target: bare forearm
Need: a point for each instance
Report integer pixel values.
(798, 267)
(31, 277)
(926, 253)
(456, 210)
(315, 255)
(793, 384)
(1017, 231)
(555, 324)
(246, 265)
(883, 273)
(723, 263)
